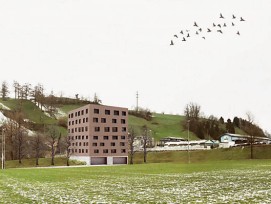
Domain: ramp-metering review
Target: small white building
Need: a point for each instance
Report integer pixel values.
(230, 140)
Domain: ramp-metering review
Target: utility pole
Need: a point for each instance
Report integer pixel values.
(188, 122)
(3, 148)
(137, 101)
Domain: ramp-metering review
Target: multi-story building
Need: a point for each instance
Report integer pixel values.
(98, 134)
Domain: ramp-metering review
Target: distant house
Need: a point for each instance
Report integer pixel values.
(170, 139)
(230, 140)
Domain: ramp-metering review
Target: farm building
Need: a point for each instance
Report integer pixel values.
(230, 140)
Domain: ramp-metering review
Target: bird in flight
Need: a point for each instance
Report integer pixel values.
(219, 25)
(195, 24)
(225, 25)
(197, 32)
(233, 16)
(176, 36)
(208, 30)
(214, 25)
(220, 31)
(183, 39)
(238, 33)
(203, 37)
(200, 29)
(188, 35)
(232, 23)
(221, 16)
(171, 42)
(241, 19)
(181, 32)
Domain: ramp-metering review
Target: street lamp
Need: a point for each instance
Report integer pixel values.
(188, 152)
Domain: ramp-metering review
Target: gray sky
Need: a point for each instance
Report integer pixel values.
(115, 48)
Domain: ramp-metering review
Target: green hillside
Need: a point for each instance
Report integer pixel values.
(161, 125)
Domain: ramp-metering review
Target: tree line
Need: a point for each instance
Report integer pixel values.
(212, 127)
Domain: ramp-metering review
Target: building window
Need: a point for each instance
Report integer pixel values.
(72, 115)
(83, 137)
(79, 137)
(107, 112)
(86, 143)
(75, 129)
(105, 137)
(113, 151)
(123, 151)
(86, 128)
(103, 120)
(102, 144)
(115, 137)
(75, 150)
(107, 129)
(96, 151)
(114, 129)
(80, 144)
(116, 112)
(72, 130)
(75, 114)
(86, 150)
(94, 144)
(79, 121)
(123, 137)
(123, 113)
(122, 144)
(95, 137)
(96, 111)
(82, 112)
(97, 129)
(86, 120)
(105, 151)
(76, 121)
(78, 113)
(72, 122)
(123, 129)
(79, 150)
(123, 121)
(69, 125)
(114, 120)
(113, 144)
(95, 120)
(86, 111)
(87, 137)
(83, 120)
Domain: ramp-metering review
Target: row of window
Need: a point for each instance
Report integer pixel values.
(114, 120)
(107, 129)
(80, 144)
(78, 113)
(83, 120)
(108, 112)
(79, 137)
(114, 137)
(79, 129)
(79, 150)
(96, 151)
(112, 144)
(95, 144)
(97, 111)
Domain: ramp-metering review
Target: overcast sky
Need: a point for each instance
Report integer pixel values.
(115, 48)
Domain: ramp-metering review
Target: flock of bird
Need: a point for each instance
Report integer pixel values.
(215, 27)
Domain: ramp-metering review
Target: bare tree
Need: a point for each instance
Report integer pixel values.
(67, 144)
(251, 132)
(131, 139)
(16, 86)
(4, 90)
(96, 99)
(52, 139)
(38, 146)
(146, 139)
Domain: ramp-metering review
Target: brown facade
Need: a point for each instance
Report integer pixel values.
(99, 132)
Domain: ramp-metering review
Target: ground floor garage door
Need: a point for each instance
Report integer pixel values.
(98, 160)
(120, 160)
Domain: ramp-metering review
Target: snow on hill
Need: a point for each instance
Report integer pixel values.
(3, 119)
(4, 107)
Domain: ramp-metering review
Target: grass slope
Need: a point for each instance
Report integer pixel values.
(163, 125)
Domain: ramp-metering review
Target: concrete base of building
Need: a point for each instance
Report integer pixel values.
(101, 160)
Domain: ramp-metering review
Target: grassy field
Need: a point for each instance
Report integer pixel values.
(245, 181)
